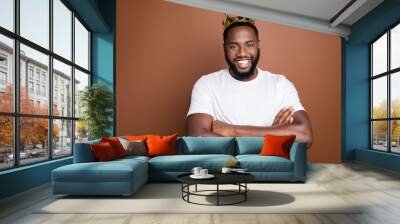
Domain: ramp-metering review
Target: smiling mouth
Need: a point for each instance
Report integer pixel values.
(243, 63)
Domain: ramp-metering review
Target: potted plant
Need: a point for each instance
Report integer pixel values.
(96, 102)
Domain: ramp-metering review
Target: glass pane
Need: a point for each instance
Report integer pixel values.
(33, 140)
(395, 136)
(395, 47)
(81, 131)
(34, 82)
(379, 55)
(62, 89)
(379, 97)
(7, 14)
(395, 94)
(81, 45)
(35, 21)
(6, 74)
(62, 29)
(379, 135)
(62, 138)
(6, 142)
(81, 81)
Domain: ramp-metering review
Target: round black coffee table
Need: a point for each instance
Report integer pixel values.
(238, 179)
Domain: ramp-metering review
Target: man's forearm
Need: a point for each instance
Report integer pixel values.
(203, 133)
(302, 134)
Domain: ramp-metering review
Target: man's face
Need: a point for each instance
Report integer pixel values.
(241, 51)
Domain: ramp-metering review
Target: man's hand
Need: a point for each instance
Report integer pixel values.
(285, 116)
(223, 129)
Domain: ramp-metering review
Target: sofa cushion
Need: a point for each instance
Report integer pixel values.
(249, 145)
(111, 171)
(257, 163)
(83, 152)
(206, 145)
(185, 163)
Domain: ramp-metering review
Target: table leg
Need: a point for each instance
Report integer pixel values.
(196, 188)
(245, 191)
(217, 194)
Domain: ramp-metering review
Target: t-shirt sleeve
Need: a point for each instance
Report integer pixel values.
(290, 96)
(201, 101)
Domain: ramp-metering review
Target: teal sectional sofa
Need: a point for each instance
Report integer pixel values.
(125, 176)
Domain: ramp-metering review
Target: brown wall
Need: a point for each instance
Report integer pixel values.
(163, 48)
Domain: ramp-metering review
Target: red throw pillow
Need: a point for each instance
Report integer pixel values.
(161, 145)
(116, 145)
(277, 145)
(103, 151)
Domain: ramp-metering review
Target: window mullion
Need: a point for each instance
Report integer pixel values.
(371, 137)
(50, 79)
(16, 70)
(389, 112)
(73, 82)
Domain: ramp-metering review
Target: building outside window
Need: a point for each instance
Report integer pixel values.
(385, 91)
(35, 73)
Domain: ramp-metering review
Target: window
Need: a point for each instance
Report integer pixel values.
(3, 71)
(30, 72)
(30, 87)
(3, 61)
(44, 91)
(38, 89)
(38, 74)
(44, 131)
(3, 78)
(385, 91)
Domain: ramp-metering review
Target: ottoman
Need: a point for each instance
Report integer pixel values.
(118, 177)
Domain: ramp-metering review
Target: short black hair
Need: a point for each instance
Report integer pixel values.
(239, 24)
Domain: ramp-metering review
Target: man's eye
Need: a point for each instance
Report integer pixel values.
(232, 47)
(250, 45)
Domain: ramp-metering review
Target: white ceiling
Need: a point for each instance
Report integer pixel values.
(320, 9)
(316, 15)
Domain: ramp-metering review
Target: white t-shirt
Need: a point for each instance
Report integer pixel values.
(255, 102)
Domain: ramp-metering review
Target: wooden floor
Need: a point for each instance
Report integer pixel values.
(377, 188)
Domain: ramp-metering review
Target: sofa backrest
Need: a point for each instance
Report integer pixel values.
(83, 152)
(249, 145)
(206, 145)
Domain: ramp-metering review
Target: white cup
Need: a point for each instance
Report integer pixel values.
(196, 170)
(203, 172)
(226, 170)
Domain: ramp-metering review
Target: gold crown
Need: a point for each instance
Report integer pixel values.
(230, 19)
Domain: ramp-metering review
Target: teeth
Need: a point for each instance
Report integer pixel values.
(243, 62)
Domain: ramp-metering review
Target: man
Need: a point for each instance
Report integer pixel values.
(245, 100)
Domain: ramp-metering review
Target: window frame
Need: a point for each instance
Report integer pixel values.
(388, 74)
(16, 115)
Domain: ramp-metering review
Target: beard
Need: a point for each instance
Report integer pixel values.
(243, 75)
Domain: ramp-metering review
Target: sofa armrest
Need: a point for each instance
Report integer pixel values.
(83, 152)
(298, 155)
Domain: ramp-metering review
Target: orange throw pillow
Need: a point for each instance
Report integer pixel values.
(161, 145)
(103, 152)
(116, 145)
(277, 145)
